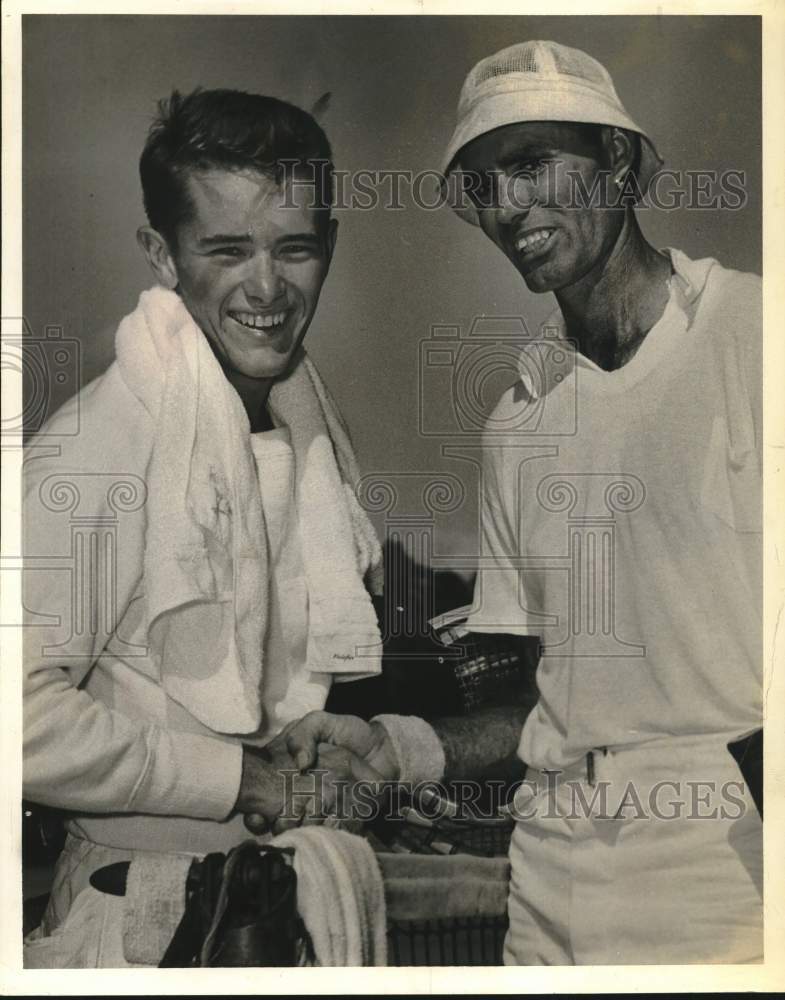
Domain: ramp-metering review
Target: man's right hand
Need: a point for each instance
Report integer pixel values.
(275, 796)
(367, 741)
(262, 786)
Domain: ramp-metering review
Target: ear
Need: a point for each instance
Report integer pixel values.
(159, 257)
(330, 237)
(621, 153)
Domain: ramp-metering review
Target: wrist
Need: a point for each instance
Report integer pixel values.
(382, 756)
(256, 781)
(417, 750)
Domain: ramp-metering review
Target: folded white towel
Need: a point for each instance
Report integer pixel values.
(340, 895)
(206, 560)
(154, 905)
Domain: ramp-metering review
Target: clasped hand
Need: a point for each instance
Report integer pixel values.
(312, 772)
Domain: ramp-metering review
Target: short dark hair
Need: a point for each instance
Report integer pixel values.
(228, 130)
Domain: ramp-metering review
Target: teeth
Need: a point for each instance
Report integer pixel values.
(257, 322)
(532, 240)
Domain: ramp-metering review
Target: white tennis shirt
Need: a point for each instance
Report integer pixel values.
(622, 524)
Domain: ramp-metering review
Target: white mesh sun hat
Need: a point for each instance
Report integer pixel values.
(540, 81)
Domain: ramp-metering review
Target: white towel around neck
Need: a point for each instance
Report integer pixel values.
(203, 499)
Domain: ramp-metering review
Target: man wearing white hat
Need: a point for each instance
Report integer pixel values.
(638, 839)
(665, 374)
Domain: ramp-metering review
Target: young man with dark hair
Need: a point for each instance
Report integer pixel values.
(638, 839)
(223, 581)
(232, 131)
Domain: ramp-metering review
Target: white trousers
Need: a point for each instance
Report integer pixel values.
(674, 876)
(667, 869)
(82, 927)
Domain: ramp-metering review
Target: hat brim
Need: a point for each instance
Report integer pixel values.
(558, 103)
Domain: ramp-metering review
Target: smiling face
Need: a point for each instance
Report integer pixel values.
(527, 203)
(249, 265)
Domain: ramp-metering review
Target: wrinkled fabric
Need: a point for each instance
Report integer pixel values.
(622, 525)
(667, 868)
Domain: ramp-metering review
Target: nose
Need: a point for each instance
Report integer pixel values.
(264, 284)
(516, 195)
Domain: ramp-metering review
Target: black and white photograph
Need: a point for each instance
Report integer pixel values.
(388, 582)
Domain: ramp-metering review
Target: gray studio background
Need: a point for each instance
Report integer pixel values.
(90, 87)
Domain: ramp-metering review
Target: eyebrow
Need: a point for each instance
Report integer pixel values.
(210, 241)
(223, 238)
(301, 237)
(527, 153)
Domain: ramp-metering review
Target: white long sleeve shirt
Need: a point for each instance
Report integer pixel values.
(101, 737)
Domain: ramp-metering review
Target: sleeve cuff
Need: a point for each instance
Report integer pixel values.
(190, 775)
(417, 748)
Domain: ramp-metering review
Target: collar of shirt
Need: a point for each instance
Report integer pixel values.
(547, 361)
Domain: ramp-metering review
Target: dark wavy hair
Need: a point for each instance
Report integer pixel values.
(227, 130)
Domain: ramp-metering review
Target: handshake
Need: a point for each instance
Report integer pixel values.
(310, 772)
